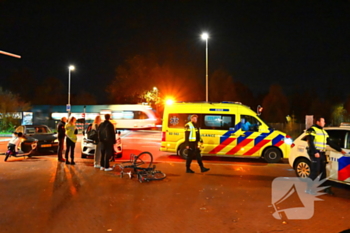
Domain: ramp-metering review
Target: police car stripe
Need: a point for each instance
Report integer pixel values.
(343, 168)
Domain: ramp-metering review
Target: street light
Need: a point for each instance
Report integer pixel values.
(205, 36)
(70, 68)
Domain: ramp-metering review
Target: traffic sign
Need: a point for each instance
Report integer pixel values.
(68, 107)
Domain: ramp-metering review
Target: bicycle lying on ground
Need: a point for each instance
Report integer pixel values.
(142, 166)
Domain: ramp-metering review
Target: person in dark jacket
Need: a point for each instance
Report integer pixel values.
(61, 134)
(192, 139)
(318, 140)
(106, 135)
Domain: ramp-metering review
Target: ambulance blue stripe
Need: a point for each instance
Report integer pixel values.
(277, 139)
(241, 138)
(261, 137)
(228, 133)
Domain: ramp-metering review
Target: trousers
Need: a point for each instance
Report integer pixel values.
(70, 148)
(194, 152)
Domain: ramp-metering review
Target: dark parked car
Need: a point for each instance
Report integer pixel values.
(46, 139)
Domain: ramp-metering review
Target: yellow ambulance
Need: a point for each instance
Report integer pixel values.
(227, 129)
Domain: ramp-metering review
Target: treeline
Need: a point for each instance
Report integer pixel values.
(146, 79)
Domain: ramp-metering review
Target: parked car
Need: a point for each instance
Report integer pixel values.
(42, 134)
(338, 167)
(88, 146)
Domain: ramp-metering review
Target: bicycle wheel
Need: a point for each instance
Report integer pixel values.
(143, 161)
(157, 175)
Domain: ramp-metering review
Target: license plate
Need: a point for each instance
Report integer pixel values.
(46, 145)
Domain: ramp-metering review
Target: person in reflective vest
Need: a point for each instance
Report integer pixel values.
(192, 139)
(318, 140)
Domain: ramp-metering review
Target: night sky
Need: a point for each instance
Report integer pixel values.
(297, 44)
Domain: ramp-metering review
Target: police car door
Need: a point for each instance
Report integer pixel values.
(217, 132)
(339, 165)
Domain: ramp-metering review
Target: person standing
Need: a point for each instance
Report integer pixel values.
(192, 139)
(97, 156)
(61, 134)
(106, 135)
(71, 139)
(318, 139)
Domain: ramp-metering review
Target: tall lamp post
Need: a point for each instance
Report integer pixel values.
(205, 36)
(70, 68)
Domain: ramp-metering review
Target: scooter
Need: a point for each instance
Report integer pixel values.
(11, 152)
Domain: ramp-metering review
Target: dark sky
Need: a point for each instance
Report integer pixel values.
(297, 44)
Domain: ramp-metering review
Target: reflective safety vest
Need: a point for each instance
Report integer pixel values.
(320, 140)
(193, 131)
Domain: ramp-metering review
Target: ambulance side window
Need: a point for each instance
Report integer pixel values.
(249, 123)
(178, 120)
(218, 121)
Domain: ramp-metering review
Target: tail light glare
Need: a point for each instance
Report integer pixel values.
(163, 136)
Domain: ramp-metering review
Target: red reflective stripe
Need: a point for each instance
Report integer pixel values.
(257, 147)
(222, 145)
(239, 146)
(279, 143)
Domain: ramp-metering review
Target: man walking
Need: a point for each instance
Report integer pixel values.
(61, 134)
(192, 138)
(106, 135)
(317, 140)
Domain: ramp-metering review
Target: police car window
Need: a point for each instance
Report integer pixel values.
(224, 122)
(178, 120)
(347, 146)
(249, 123)
(337, 137)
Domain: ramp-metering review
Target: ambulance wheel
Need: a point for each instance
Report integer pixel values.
(183, 152)
(272, 155)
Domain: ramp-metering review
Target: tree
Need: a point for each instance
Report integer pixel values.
(84, 98)
(221, 87)
(276, 105)
(50, 92)
(9, 104)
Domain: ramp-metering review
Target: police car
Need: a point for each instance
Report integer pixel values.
(227, 129)
(338, 168)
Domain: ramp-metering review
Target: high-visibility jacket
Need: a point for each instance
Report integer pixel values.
(320, 140)
(70, 132)
(193, 131)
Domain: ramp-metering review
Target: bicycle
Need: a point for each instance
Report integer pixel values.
(142, 166)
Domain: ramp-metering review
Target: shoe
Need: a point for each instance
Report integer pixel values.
(329, 191)
(67, 162)
(108, 169)
(203, 169)
(189, 171)
(97, 166)
(102, 168)
(61, 160)
(72, 163)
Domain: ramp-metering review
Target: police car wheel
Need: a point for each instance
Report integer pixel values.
(183, 152)
(272, 155)
(302, 168)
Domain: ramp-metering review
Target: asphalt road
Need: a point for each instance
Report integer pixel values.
(42, 195)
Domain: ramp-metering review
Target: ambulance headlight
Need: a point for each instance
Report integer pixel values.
(288, 140)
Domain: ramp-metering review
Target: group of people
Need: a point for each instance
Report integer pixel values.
(104, 142)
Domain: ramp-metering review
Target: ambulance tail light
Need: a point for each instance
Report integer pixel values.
(163, 136)
(293, 145)
(288, 140)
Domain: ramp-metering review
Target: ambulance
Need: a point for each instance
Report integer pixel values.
(228, 129)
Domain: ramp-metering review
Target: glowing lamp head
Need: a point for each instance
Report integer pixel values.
(71, 67)
(205, 36)
(169, 101)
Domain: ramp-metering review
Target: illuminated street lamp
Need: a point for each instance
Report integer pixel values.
(205, 36)
(70, 68)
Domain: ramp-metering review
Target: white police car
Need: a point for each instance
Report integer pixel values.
(88, 147)
(338, 168)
